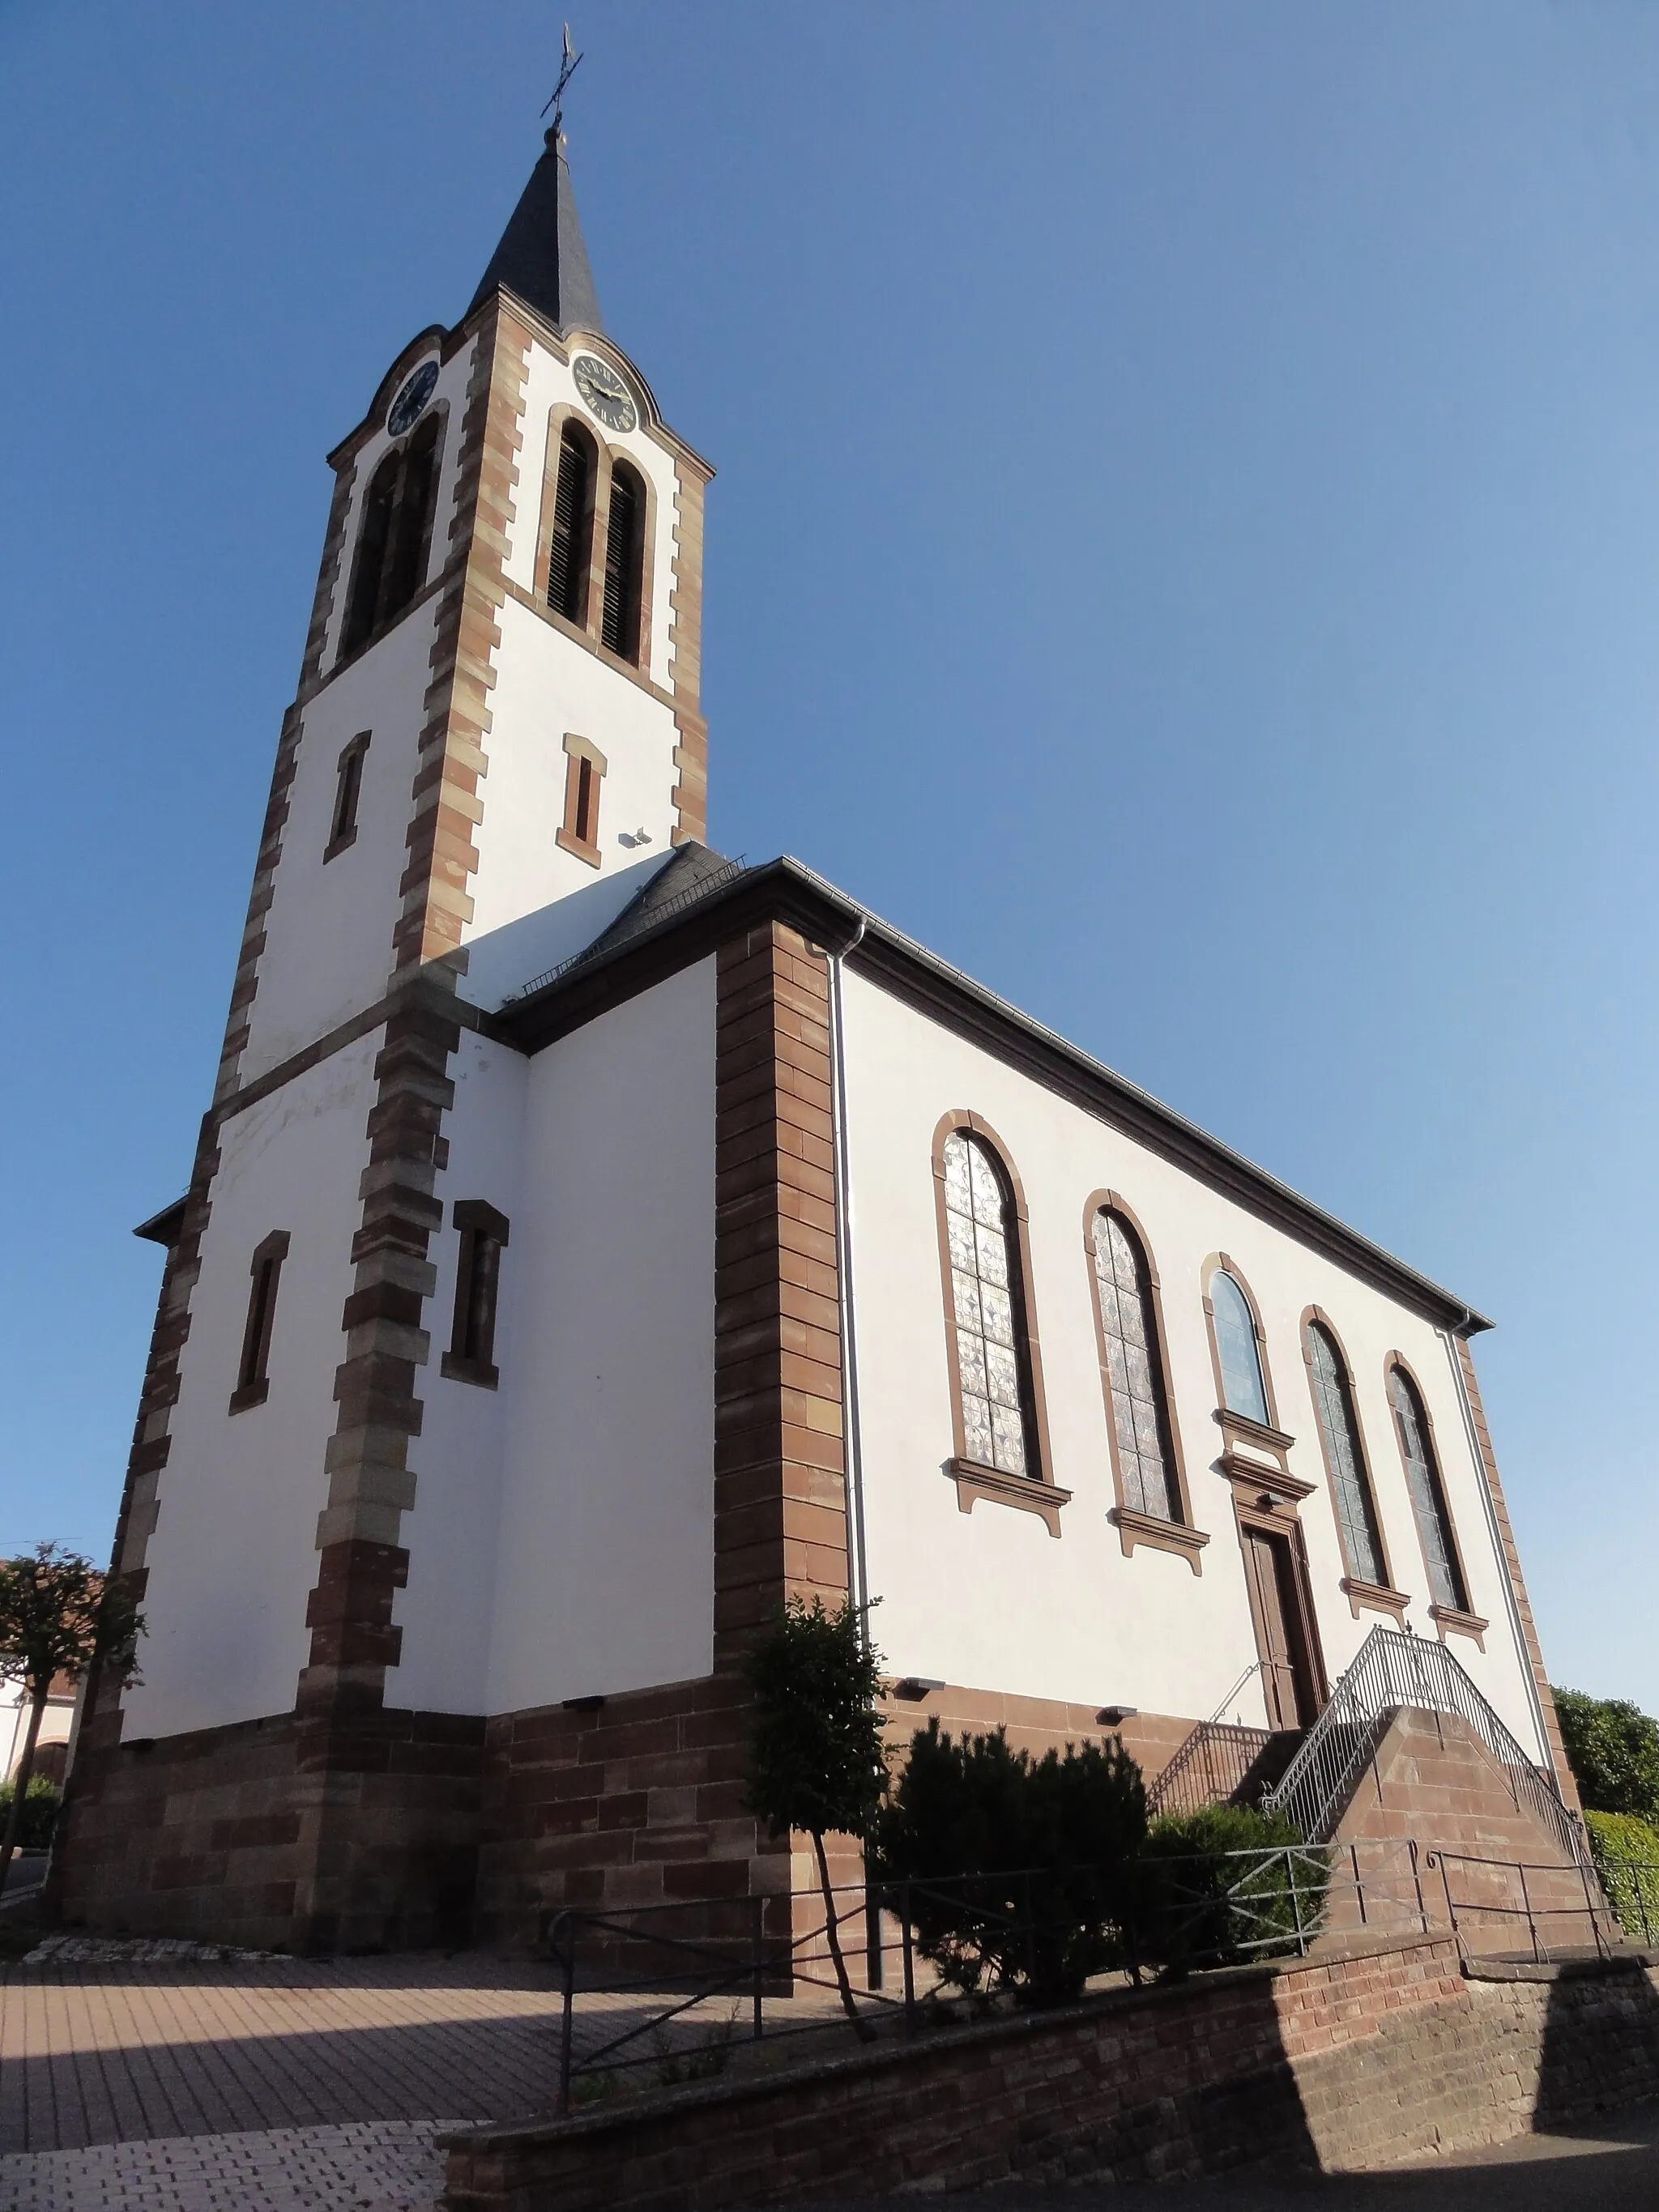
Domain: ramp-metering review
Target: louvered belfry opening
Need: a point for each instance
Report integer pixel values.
(393, 540)
(573, 523)
(620, 629)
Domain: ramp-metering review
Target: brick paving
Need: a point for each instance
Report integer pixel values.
(132, 2079)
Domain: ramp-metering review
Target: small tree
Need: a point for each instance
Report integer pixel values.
(1613, 1748)
(58, 1615)
(815, 1758)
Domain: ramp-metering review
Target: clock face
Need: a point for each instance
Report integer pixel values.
(604, 391)
(409, 405)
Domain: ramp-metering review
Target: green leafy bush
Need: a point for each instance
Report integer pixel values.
(1626, 1855)
(1021, 1868)
(1613, 1748)
(40, 1803)
(1197, 1907)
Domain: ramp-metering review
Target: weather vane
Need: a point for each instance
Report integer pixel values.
(567, 70)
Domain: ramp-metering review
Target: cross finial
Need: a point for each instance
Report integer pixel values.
(568, 68)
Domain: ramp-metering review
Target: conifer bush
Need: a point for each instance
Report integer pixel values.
(1198, 1905)
(1019, 1870)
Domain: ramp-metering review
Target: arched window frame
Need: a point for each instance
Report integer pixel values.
(1219, 1260)
(1456, 1620)
(597, 527)
(1361, 1593)
(1036, 1491)
(638, 654)
(1134, 1527)
(559, 419)
(433, 423)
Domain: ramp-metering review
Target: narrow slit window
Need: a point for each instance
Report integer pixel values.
(989, 1325)
(1242, 1391)
(347, 790)
(573, 526)
(584, 775)
(620, 623)
(1136, 1386)
(1434, 1524)
(472, 1354)
(253, 1372)
(1339, 1426)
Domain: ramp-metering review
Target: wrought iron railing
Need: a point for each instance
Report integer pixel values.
(1209, 1769)
(1392, 1670)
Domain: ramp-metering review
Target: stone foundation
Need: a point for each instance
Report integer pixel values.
(1350, 2062)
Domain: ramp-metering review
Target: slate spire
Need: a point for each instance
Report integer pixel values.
(542, 257)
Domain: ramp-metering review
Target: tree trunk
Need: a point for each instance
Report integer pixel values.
(20, 1782)
(862, 2027)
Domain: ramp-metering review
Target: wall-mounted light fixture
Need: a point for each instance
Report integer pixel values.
(1114, 1715)
(917, 1687)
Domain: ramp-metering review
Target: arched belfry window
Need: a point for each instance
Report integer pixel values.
(1434, 1523)
(394, 537)
(624, 547)
(570, 546)
(989, 1326)
(1135, 1370)
(1237, 1354)
(1338, 1430)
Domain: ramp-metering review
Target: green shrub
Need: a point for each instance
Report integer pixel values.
(1197, 1907)
(966, 1816)
(1613, 1748)
(1626, 1855)
(40, 1803)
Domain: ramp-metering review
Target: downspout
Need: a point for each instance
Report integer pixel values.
(858, 1575)
(1511, 1603)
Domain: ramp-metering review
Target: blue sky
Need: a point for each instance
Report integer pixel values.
(1186, 546)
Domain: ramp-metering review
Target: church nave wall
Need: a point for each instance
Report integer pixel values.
(990, 1596)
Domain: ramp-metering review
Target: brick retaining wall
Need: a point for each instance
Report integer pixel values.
(1349, 2060)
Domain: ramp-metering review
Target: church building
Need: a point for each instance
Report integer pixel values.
(591, 1241)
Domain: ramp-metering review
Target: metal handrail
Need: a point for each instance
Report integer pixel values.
(1393, 1669)
(1208, 1746)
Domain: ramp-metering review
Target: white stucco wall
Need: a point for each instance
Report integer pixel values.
(447, 1610)
(989, 1599)
(604, 1551)
(546, 684)
(233, 1557)
(328, 929)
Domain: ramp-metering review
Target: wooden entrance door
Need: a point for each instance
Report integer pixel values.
(1277, 1603)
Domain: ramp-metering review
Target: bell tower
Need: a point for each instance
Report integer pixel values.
(498, 736)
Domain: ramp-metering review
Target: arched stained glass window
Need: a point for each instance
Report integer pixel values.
(988, 1308)
(1140, 1416)
(1428, 1493)
(1242, 1391)
(1339, 1425)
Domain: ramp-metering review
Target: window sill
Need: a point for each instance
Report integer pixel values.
(583, 851)
(1450, 1621)
(1028, 1492)
(1377, 1596)
(336, 846)
(1252, 1432)
(1160, 1535)
(251, 1393)
(469, 1370)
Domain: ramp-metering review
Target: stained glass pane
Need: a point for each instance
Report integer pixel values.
(1145, 1465)
(1242, 1387)
(990, 1356)
(1428, 1497)
(1362, 1545)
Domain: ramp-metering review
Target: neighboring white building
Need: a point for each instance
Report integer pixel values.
(590, 1241)
(57, 1726)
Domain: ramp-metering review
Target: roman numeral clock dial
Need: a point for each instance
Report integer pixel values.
(604, 393)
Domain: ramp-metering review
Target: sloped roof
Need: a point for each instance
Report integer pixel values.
(542, 256)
